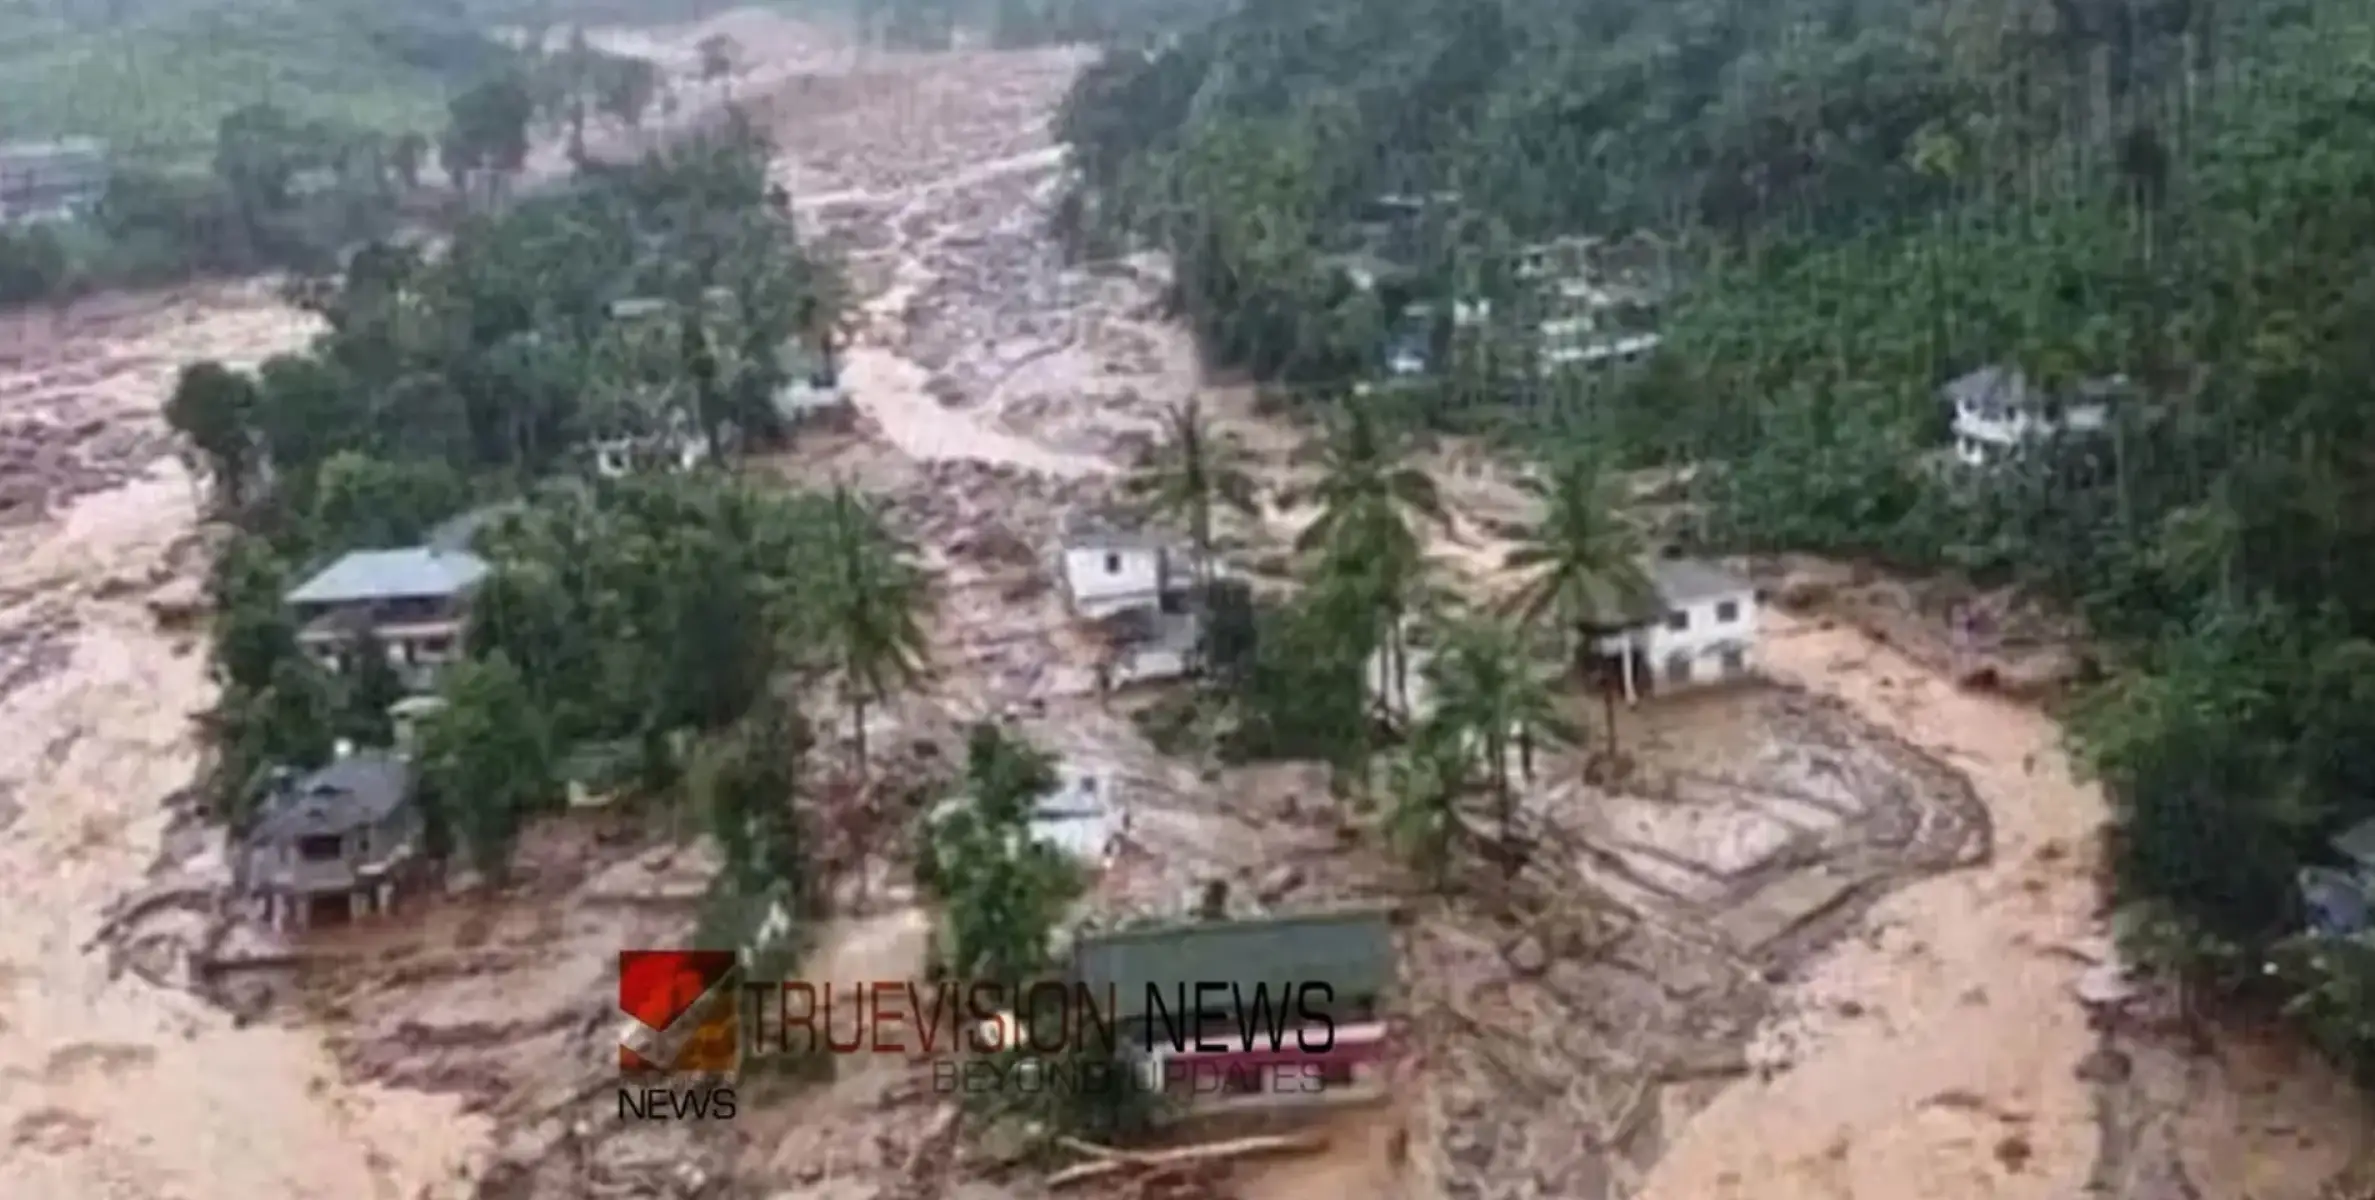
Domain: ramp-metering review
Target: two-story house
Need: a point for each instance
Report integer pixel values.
(49, 181)
(413, 602)
(1167, 987)
(1705, 629)
(1997, 412)
(335, 844)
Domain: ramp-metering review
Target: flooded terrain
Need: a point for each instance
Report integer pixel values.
(1822, 944)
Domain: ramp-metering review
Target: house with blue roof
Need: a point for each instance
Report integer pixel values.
(412, 602)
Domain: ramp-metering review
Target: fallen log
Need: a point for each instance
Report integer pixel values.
(1114, 1162)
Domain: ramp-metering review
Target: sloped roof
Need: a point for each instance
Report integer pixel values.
(392, 574)
(1102, 531)
(1352, 951)
(358, 790)
(2010, 387)
(1686, 580)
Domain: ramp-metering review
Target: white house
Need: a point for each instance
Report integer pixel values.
(672, 449)
(1706, 634)
(1109, 570)
(1997, 412)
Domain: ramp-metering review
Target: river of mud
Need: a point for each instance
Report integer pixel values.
(1934, 1050)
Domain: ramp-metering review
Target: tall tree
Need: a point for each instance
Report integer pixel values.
(1494, 705)
(1190, 473)
(1582, 567)
(1368, 499)
(214, 407)
(487, 757)
(873, 597)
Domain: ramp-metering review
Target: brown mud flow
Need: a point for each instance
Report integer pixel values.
(1820, 943)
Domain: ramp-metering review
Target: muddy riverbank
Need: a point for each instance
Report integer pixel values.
(1823, 946)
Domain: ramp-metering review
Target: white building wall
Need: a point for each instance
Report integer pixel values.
(1105, 581)
(1710, 629)
(1980, 439)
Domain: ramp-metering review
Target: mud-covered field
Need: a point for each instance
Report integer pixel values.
(1822, 942)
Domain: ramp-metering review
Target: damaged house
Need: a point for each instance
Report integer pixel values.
(1135, 588)
(335, 844)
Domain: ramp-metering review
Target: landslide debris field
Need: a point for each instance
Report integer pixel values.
(1819, 941)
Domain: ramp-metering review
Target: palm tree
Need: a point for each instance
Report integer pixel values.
(1423, 821)
(874, 597)
(1491, 700)
(1368, 498)
(1189, 472)
(1583, 566)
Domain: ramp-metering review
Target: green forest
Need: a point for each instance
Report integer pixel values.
(634, 633)
(281, 185)
(1855, 202)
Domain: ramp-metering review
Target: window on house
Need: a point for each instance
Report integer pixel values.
(1735, 660)
(1113, 564)
(1678, 620)
(1678, 668)
(318, 848)
(437, 646)
(1727, 612)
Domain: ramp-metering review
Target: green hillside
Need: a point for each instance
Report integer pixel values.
(154, 77)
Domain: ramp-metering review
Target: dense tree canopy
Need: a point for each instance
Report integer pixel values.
(1852, 204)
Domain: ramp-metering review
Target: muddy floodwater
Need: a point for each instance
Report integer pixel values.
(111, 1086)
(1930, 1045)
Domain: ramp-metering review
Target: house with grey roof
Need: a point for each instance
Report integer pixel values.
(412, 602)
(1698, 626)
(50, 181)
(335, 844)
(1249, 1013)
(1998, 410)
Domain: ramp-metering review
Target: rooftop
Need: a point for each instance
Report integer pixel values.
(1686, 580)
(2357, 843)
(1352, 951)
(1079, 819)
(355, 791)
(414, 572)
(2010, 387)
(1104, 531)
(1153, 629)
(77, 151)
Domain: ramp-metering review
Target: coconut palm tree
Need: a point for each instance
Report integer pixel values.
(1490, 700)
(874, 597)
(1190, 472)
(1582, 566)
(1369, 499)
(1422, 820)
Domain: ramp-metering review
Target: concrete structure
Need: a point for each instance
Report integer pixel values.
(813, 387)
(1135, 589)
(335, 844)
(1110, 570)
(1704, 630)
(412, 601)
(669, 450)
(1148, 645)
(1997, 413)
(1154, 980)
(51, 181)
(1082, 819)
